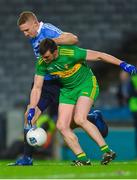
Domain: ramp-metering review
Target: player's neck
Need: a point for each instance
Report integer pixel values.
(38, 28)
(56, 55)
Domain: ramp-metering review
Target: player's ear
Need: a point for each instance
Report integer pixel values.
(55, 53)
(35, 22)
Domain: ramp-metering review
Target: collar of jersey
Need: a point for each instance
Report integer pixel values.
(40, 26)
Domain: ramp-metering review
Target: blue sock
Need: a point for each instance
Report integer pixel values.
(28, 150)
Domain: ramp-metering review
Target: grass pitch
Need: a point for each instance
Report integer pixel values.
(63, 170)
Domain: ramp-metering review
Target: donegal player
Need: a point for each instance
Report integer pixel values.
(78, 93)
(36, 31)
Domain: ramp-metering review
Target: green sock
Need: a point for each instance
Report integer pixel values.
(82, 157)
(105, 148)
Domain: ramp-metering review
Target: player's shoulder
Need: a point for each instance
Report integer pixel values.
(68, 47)
(49, 26)
(40, 61)
(67, 50)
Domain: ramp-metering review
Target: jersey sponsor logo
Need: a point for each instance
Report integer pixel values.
(67, 73)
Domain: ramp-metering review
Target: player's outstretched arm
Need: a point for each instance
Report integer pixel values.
(96, 55)
(36, 91)
(35, 96)
(66, 38)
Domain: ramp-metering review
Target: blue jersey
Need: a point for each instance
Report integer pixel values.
(45, 30)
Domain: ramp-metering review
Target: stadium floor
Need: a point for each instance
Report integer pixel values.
(63, 170)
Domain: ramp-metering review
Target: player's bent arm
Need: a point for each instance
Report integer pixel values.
(96, 55)
(36, 91)
(66, 38)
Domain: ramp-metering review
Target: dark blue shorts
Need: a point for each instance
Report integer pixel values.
(49, 95)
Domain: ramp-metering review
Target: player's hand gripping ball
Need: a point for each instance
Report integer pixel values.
(36, 136)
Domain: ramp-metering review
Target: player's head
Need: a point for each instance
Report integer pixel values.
(28, 23)
(48, 50)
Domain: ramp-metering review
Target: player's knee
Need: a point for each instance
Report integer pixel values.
(79, 120)
(61, 127)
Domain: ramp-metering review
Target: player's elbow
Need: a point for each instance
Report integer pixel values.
(36, 88)
(75, 39)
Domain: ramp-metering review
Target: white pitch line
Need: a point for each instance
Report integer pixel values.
(92, 175)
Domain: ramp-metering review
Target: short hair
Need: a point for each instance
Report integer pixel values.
(26, 16)
(47, 44)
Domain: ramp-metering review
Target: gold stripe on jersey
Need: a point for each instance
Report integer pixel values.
(40, 61)
(68, 52)
(67, 73)
(93, 92)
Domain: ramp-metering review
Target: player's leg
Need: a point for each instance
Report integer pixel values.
(90, 87)
(28, 150)
(65, 115)
(97, 119)
(80, 118)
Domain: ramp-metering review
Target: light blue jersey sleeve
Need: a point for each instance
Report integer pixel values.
(51, 31)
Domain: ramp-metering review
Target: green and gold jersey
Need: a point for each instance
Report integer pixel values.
(70, 66)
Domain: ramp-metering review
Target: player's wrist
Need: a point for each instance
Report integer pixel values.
(31, 109)
(123, 64)
(129, 68)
